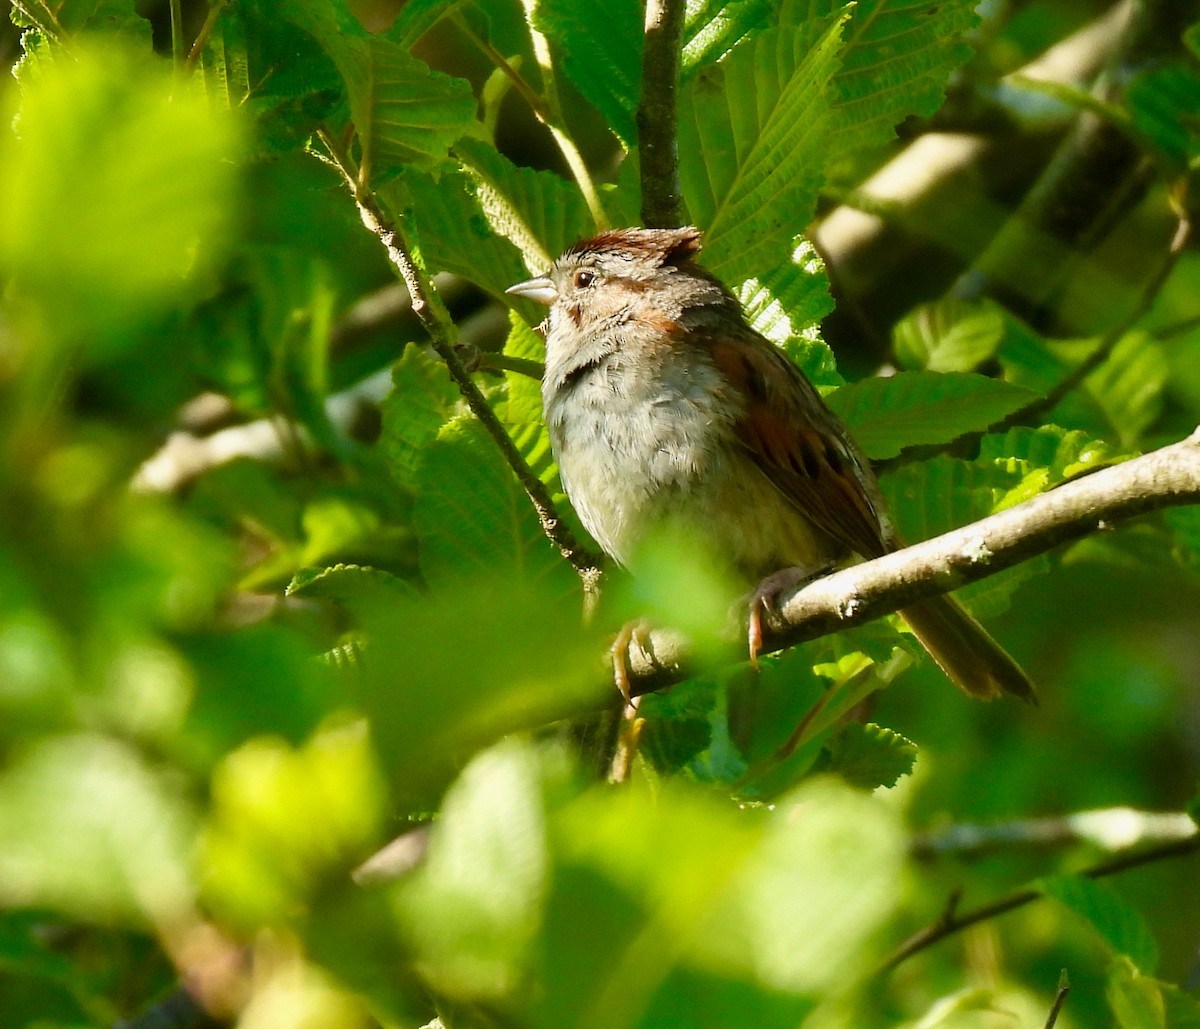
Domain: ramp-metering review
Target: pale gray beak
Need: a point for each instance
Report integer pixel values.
(542, 290)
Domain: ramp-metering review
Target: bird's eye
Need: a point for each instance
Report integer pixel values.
(584, 278)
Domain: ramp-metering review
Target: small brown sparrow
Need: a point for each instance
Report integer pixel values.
(668, 413)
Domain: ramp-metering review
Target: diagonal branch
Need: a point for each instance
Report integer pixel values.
(658, 150)
(433, 316)
(1163, 478)
(951, 922)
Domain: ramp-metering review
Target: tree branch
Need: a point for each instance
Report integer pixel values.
(658, 150)
(437, 323)
(1163, 478)
(951, 922)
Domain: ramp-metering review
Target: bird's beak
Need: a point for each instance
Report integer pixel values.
(542, 290)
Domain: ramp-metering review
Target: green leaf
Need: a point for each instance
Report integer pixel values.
(1129, 385)
(522, 414)
(445, 219)
(605, 66)
(1043, 458)
(1136, 1000)
(787, 304)
(949, 335)
(420, 403)
(1120, 927)
(356, 587)
(148, 200)
(286, 819)
(538, 212)
(487, 863)
(405, 114)
(89, 794)
(887, 414)
(1163, 101)
(715, 27)
(417, 17)
(931, 497)
(869, 756)
(752, 137)
(895, 62)
(473, 519)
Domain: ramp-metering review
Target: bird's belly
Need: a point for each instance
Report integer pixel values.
(669, 470)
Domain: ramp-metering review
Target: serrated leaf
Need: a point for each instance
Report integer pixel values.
(1121, 928)
(538, 212)
(869, 756)
(522, 414)
(752, 137)
(949, 335)
(405, 114)
(606, 65)
(356, 587)
(473, 519)
(1043, 457)
(420, 403)
(887, 414)
(715, 27)
(787, 304)
(417, 17)
(445, 219)
(895, 62)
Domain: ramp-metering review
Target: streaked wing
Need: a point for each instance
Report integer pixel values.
(798, 442)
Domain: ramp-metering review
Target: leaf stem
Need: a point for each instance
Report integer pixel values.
(177, 55)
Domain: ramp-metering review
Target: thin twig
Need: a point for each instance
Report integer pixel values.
(434, 317)
(210, 22)
(1060, 998)
(554, 121)
(1165, 477)
(658, 149)
(950, 922)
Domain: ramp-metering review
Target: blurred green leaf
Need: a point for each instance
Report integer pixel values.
(284, 819)
(148, 200)
(1136, 1000)
(1163, 101)
(949, 335)
(473, 906)
(1118, 925)
(87, 794)
(887, 414)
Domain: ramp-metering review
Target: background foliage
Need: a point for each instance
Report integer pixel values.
(270, 596)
